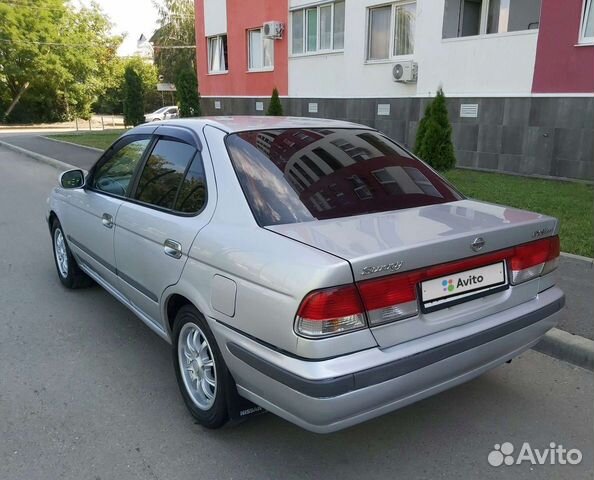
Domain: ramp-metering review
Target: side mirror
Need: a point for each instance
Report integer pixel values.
(72, 179)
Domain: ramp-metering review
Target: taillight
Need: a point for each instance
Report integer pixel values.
(386, 299)
(330, 311)
(390, 298)
(534, 259)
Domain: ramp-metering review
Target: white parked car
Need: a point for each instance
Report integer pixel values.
(165, 113)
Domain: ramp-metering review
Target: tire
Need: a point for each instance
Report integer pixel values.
(197, 381)
(69, 272)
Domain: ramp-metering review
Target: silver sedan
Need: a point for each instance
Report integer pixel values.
(312, 268)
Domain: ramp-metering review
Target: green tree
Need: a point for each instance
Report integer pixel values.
(112, 100)
(133, 97)
(275, 107)
(54, 59)
(176, 29)
(436, 146)
(188, 97)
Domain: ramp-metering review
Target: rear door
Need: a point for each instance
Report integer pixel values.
(156, 227)
(91, 212)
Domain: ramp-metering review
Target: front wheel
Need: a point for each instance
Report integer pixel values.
(200, 370)
(69, 272)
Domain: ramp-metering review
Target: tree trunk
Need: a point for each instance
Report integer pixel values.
(16, 100)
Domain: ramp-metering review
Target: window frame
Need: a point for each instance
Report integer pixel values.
(587, 8)
(208, 58)
(392, 44)
(317, 51)
(484, 25)
(263, 68)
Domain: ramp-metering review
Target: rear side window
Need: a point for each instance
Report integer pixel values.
(173, 178)
(192, 193)
(310, 174)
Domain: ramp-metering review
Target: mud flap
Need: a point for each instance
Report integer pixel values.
(239, 408)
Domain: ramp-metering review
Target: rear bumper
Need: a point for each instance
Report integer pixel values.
(328, 395)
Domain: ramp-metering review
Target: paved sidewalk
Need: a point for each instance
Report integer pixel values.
(72, 154)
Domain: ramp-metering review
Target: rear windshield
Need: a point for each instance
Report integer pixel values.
(301, 175)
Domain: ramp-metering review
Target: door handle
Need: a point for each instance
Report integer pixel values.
(172, 248)
(107, 220)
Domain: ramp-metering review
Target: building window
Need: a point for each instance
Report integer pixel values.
(217, 54)
(260, 51)
(587, 30)
(391, 31)
(463, 18)
(319, 28)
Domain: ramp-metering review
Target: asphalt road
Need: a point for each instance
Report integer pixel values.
(88, 392)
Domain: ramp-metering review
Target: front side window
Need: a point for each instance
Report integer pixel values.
(330, 174)
(113, 175)
(260, 50)
(163, 173)
(217, 54)
(463, 18)
(319, 28)
(391, 31)
(587, 33)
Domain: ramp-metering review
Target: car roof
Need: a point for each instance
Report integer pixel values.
(243, 123)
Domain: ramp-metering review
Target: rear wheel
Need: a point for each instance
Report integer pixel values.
(200, 370)
(69, 273)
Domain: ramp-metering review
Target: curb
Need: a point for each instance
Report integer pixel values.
(38, 157)
(573, 256)
(567, 347)
(93, 149)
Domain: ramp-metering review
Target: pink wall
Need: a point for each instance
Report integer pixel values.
(241, 16)
(561, 67)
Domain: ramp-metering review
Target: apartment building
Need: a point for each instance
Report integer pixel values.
(518, 74)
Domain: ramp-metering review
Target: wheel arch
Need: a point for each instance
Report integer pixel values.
(173, 304)
(50, 219)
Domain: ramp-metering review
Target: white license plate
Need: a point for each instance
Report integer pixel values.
(457, 287)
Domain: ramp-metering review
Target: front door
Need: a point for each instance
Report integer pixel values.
(157, 226)
(90, 218)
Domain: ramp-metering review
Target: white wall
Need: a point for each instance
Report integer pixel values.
(475, 66)
(215, 17)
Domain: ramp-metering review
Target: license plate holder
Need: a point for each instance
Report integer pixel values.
(459, 287)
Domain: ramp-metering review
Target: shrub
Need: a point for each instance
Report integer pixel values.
(275, 108)
(422, 129)
(434, 137)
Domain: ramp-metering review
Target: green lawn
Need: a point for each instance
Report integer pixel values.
(100, 140)
(572, 203)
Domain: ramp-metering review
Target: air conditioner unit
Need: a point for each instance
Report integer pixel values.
(273, 30)
(405, 72)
